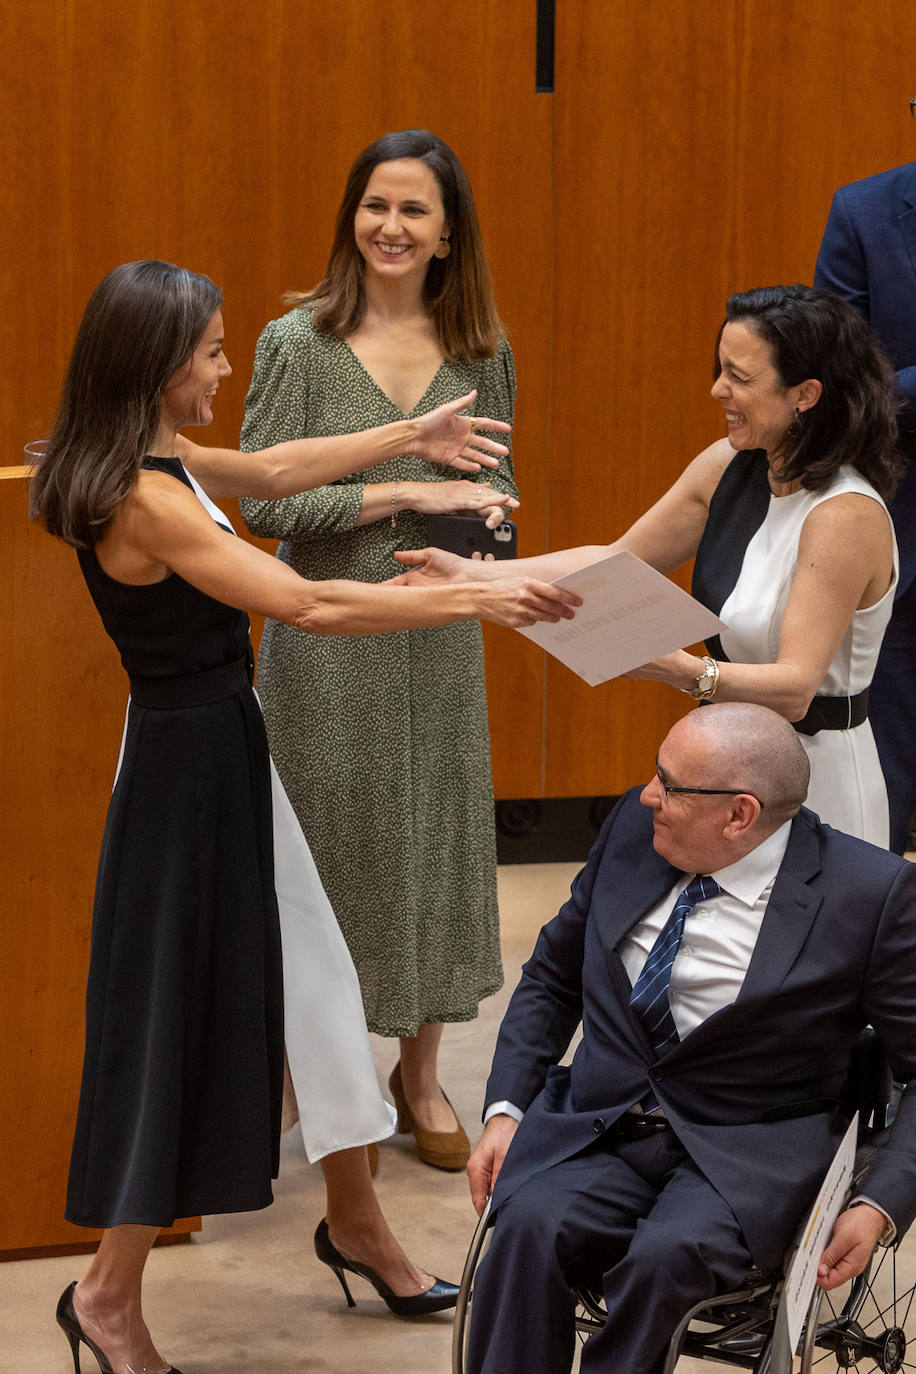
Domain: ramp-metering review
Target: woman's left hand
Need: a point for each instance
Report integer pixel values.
(444, 436)
(456, 498)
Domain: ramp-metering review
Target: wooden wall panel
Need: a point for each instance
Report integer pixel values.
(696, 150)
(222, 142)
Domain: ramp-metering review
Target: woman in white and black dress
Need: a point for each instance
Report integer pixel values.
(180, 1103)
(787, 521)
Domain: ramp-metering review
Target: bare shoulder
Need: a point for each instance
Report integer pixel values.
(850, 515)
(154, 501)
(713, 461)
(704, 472)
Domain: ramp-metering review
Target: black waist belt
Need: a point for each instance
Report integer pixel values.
(194, 689)
(833, 713)
(826, 713)
(634, 1126)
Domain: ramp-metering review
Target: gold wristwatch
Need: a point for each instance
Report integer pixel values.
(706, 683)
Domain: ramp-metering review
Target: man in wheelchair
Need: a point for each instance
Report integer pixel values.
(722, 949)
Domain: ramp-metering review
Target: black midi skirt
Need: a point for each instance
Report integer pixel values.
(179, 1111)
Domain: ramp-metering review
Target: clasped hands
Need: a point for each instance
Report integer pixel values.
(856, 1231)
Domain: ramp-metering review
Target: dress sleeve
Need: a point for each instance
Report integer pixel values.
(496, 400)
(277, 409)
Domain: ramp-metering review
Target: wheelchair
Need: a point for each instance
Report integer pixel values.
(866, 1325)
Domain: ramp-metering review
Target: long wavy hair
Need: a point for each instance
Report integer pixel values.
(816, 334)
(458, 290)
(143, 322)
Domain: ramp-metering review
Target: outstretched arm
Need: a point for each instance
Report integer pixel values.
(440, 436)
(162, 527)
(665, 537)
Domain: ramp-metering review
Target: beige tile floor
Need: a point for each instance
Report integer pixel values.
(248, 1295)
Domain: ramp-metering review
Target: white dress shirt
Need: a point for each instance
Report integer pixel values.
(719, 934)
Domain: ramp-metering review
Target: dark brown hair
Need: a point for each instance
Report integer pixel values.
(143, 322)
(816, 334)
(458, 290)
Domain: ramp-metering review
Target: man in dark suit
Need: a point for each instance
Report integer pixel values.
(868, 256)
(697, 1117)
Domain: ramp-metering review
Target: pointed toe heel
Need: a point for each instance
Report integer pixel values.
(439, 1296)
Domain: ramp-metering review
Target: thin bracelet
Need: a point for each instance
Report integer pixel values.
(394, 504)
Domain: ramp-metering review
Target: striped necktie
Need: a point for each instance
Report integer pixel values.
(649, 997)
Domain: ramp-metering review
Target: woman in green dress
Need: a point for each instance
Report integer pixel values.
(382, 744)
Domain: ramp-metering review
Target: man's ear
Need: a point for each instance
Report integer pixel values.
(743, 814)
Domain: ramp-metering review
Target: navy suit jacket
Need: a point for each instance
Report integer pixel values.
(868, 256)
(836, 952)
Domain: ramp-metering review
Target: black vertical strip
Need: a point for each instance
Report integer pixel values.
(543, 67)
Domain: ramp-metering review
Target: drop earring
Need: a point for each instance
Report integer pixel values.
(442, 248)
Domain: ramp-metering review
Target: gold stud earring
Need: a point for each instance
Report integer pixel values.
(442, 248)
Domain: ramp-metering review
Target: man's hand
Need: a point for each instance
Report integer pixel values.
(855, 1234)
(487, 1160)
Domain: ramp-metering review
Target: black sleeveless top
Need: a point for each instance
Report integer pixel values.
(167, 631)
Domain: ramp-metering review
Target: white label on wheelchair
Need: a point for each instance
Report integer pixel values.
(828, 1204)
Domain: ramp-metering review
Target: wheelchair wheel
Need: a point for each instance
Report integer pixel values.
(868, 1325)
(461, 1329)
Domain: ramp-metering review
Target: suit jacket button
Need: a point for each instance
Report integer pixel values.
(598, 1125)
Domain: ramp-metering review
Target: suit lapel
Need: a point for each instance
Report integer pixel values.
(789, 915)
(628, 891)
(634, 884)
(786, 922)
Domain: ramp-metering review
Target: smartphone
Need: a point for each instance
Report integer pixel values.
(468, 534)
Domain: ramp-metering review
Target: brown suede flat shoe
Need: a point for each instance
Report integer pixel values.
(442, 1149)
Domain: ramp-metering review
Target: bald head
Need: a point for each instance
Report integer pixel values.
(751, 748)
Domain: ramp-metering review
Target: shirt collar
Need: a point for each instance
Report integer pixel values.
(751, 876)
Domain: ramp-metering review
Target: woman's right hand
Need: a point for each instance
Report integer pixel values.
(521, 601)
(444, 436)
(428, 567)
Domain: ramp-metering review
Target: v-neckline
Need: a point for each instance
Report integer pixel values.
(381, 390)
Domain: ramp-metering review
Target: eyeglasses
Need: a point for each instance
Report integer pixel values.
(669, 788)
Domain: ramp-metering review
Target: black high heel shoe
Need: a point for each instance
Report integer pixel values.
(436, 1299)
(69, 1323)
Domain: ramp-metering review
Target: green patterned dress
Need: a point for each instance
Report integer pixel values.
(381, 741)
